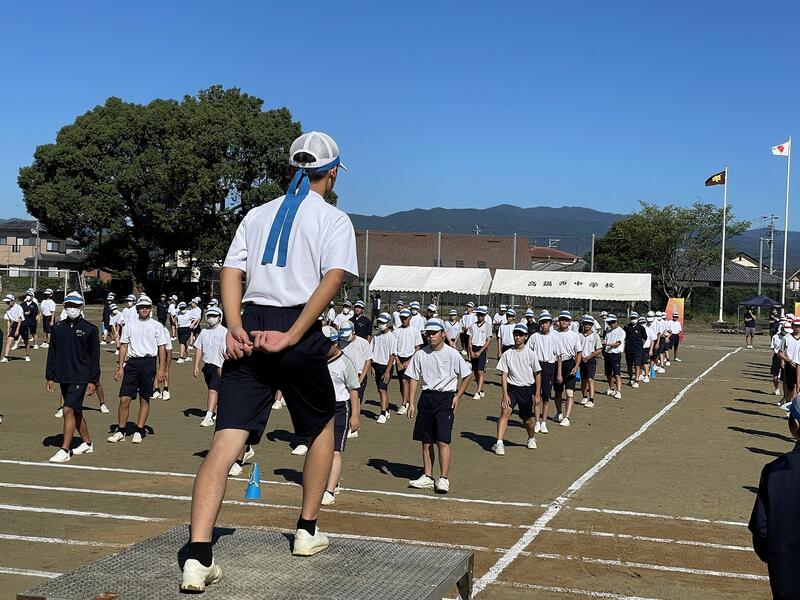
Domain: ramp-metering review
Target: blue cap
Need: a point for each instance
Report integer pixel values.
(346, 327)
(529, 313)
(73, 298)
(453, 311)
(634, 315)
(565, 314)
(587, 319)
(330, 333)
(545, 316)
(481, 310)
(434, 325)
(520, 328)
(213, 311)
(405, 313)
(414, 304)
(347, 303)
(359, 303)
(384, 318)
(511, 312)
(610, 318)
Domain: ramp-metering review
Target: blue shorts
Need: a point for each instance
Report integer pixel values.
(211, 376)
(522, 397)
(341, 423)
(479, 364)
(73, 394)
(138, 378)
(434, 421)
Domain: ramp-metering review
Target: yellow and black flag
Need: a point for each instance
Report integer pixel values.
(718, 179)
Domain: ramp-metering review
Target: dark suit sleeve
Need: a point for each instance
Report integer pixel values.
(94, 356)
(50, 369)
(758, 519)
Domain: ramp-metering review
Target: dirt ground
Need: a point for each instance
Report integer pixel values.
(664, 518)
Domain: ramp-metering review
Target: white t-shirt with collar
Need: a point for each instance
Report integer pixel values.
(211, 342)
(343, 376)
(183, 319)
(322, 238)
(521, 366)
(791, 347)
(358, 350)
(569, 343)
(143, 337)
(15, 314)
(479, 334)
(466, 320)
(408, 339)
(453, 330)
(612, 337)
(506, 333)
(545, 346)
(440, 370)
(384, 344)
(48, 307)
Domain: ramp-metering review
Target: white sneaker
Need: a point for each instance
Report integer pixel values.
(179, 361)
(641, 377)
(84, 448)
(337, 490)
(278, 404)
(499, 449)
(442, 485)
(351, 434)
(46, 345)
(559, 418)
(117, 437)
(646, 379)
(422, 483)
(104, 409)
(102, 343)
(618, 395)
(4, 359)
(476, 396)
(668, 363)
(116, 352)
(328, 498)
(402, 410)
(537, 427)
(235, 470)
(483, 395)
(306, 544)
(165, 395)
(156, 394)
(564, 422)
(35, 346)
(583, 401)
(16, 347)
(610, 392)
(634, 385)
(207, 421)
(61, 456)
(59, 413)
(196, 576)
(137, 438)
(300, 450)
(660, 370)
(381, 418)
(531, 444)
(248, 454)
(543, 428)
(777, 392)
(590, 404)
(27, 359)
(677, 359)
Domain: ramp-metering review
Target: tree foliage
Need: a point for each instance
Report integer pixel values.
(134, 183)
(673, 243)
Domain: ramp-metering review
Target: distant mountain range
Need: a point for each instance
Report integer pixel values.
(573, 226)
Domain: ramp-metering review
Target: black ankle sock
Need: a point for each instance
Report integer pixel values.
(309, 526)
(201, 551)
(67, 450)
(166, 388)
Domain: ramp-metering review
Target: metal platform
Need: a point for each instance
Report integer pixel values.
(258, 564)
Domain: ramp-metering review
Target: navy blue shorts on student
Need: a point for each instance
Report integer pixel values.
(14, 332)
(789, 376)
(211, 375)
(249, 384)
(775, 367)
(522, 398)
(548, 377)
(588, 368)
(675, 340)
(73, 394)
(401, 373)
(567, 380)
(362, 389)
(28, 329)
(46, 326)
(196, 331)
(612, 364)
(434, 417)
(138, 378)
(183, 335)
(632, 357)
(341, 423)
(478, 364)
(464, 339)
(380, 371)
(645, 356)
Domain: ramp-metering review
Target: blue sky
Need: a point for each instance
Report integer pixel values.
(455, 104)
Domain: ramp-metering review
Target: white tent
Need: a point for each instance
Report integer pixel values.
(393, 278)
(566, 284)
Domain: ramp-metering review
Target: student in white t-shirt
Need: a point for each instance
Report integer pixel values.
(396, 315)
(675, 329)
(790, 354)
(409, 340)
(359, 351)
(505, 332)
(417, 320)
(613, 347)
(211, 350)
(331, 314)
(440, 368)
(521, 374)
(480, 337)
(545, 344)
(183, 321)
(345, 315)
(13, 317)
(591, 348)
(452, 328)
(466, 320)
(777, 364)
(384, 355)
(161, 390)
(48, 309)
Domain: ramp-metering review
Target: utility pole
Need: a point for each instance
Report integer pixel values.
(591, 270)
(514, 265)
(770, 239)
(35, 231)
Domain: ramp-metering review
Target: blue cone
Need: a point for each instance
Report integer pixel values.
(578, 376)
(652, 372)
(254, 486)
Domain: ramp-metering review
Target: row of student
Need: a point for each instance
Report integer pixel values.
(22, 318)
(785, 363)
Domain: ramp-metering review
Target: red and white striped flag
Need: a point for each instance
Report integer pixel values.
(782, 149)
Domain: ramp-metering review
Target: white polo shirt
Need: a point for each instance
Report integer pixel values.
(384, 344)
(196, 314)
(418, 321)
(358, 350)
(439, 371)
(321, 239)
(211, 342)
(506, 334)
(652, 335)
(590, 343)
(15, 314)
(48, 307)
(479, 334)
(143, 337)
(129, 314)
(777, 342)
(331, 315)
(407, 340)
(172, 309)
(791, 348)
(343, 377)
(184, 319)
(521, 366)
(500, 319)
(675, 327)
(466, 320)
(545, 346)
(167, 338)
(452, 330)
(612, 337)
(341, 319)
(115, 319)
(568, 343)
(396, 319)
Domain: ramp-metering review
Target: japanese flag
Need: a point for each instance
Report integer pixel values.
(782, 149)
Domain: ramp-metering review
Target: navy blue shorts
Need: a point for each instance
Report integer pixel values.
(341, 423)
(248, 386)
(183, 335)
(789, 376)
(567, 380)
(645, 356)
(675, 340)
(775, 367)
(548, 376)
(478, 364)
(464, 339)
(14, 332)
(211, 375)
(138, 378)
(380, 371)
(401, 373)
(434, 421)
(46, 326)
(588, 368)
(522, 398)
(28, 329)
(611, 364)
(632, 358)
(362, 389)
(73, 394)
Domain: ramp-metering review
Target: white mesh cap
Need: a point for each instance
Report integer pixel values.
(319, 146)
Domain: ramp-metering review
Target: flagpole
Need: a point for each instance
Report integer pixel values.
(786, 224)
(722, 258)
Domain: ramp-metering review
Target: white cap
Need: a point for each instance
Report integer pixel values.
(322, 149)
(144, 301)
(9, 298)
(213, 311)
(48, 291)
(432, 307)
(74, 298)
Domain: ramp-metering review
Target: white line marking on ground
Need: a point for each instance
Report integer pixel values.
(54, 540)
(571, 591)
(29, 573)
(267, 482)
(632, 513)
(647, 538)
(79, 513)
(637, 565)
(250, 504)
(556, 506)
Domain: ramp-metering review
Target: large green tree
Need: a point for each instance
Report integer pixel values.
(673, 243)
(134, 183)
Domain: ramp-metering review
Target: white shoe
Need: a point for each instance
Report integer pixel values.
(4, 359)
(61, 456)
(618, 395)
(84, 448)
(543, 428)
(590, 404)
(156, 394)
(641, 377)
(660, 370)
(531, 444)
(537, 427)
(634, 385)
(381, 418)
(777, 392)
(207, 421)
(463, 353)
(583, 401)
(337, 490)
(16, 347)
(116, 352)
(564, 422)
(196, 576)
(102, 343)
(476, 396)
(559, 418)
(483, 395)
(235, 470)
(499, 449)
(278, 404)
(165, 395)
(306, 544)
(610, 392)
(442, 485)
(35, 346)
(27, 359)
(44, 345)
(179, 361)
(402, 410)
(117, 437)
(300, 450)
(646, 379)
(137, 438)
(351, 434)
(422, 483)
(59, 413)
(104, 409)
(676, 359)
(248, 454)
(328, 498)
(668, 363)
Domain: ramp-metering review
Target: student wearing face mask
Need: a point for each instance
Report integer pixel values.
(184, 324)
(14, 318)
(343, 316)
(452, 329)
(30, 310)
(417, 320)
(211, 348)
(384, 350)
(129, 313)
(115, 324)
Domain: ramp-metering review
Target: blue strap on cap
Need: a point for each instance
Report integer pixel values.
(284, 219)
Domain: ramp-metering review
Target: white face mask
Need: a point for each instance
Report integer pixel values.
(73, 312)
(345, 311)
(213, 321)
(383, 326)
(28, 298)
(414, 311)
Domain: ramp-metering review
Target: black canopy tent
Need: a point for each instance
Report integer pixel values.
(760, 301)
